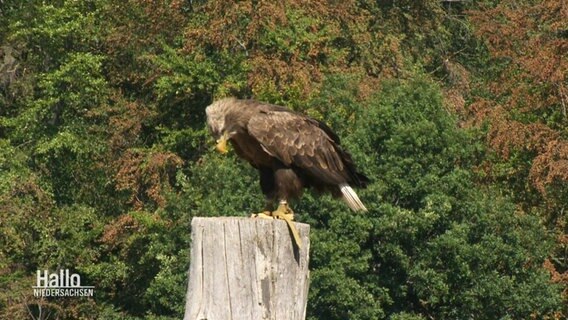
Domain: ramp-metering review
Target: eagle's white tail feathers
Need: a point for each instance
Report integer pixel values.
(351, 198)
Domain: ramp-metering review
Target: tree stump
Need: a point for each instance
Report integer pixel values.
(244, 268)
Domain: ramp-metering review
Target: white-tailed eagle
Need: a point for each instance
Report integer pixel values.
(291, 152)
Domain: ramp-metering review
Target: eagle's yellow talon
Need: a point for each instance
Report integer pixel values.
(264, 215)
(283, 212)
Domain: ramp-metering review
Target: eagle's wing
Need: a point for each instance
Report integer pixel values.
(300, 141)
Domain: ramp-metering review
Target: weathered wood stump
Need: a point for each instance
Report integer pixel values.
(244, 268)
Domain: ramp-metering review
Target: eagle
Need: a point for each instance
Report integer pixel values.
(291, 151)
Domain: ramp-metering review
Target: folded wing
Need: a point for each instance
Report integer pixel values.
(299, 141)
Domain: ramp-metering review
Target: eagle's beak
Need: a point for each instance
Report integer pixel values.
(222, 143)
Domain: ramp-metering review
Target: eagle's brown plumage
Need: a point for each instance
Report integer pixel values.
(290, 150)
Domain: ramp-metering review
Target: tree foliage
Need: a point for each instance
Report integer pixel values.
(524, 104)
(456, 111)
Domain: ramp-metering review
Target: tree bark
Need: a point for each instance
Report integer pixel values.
(244, 268)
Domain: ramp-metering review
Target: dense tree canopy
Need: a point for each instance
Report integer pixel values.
(455, 109)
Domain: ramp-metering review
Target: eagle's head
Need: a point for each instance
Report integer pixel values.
(216, 115)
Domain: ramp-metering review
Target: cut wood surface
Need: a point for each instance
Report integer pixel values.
(244, 268)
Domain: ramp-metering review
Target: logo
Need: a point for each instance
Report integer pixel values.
(62, 284)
